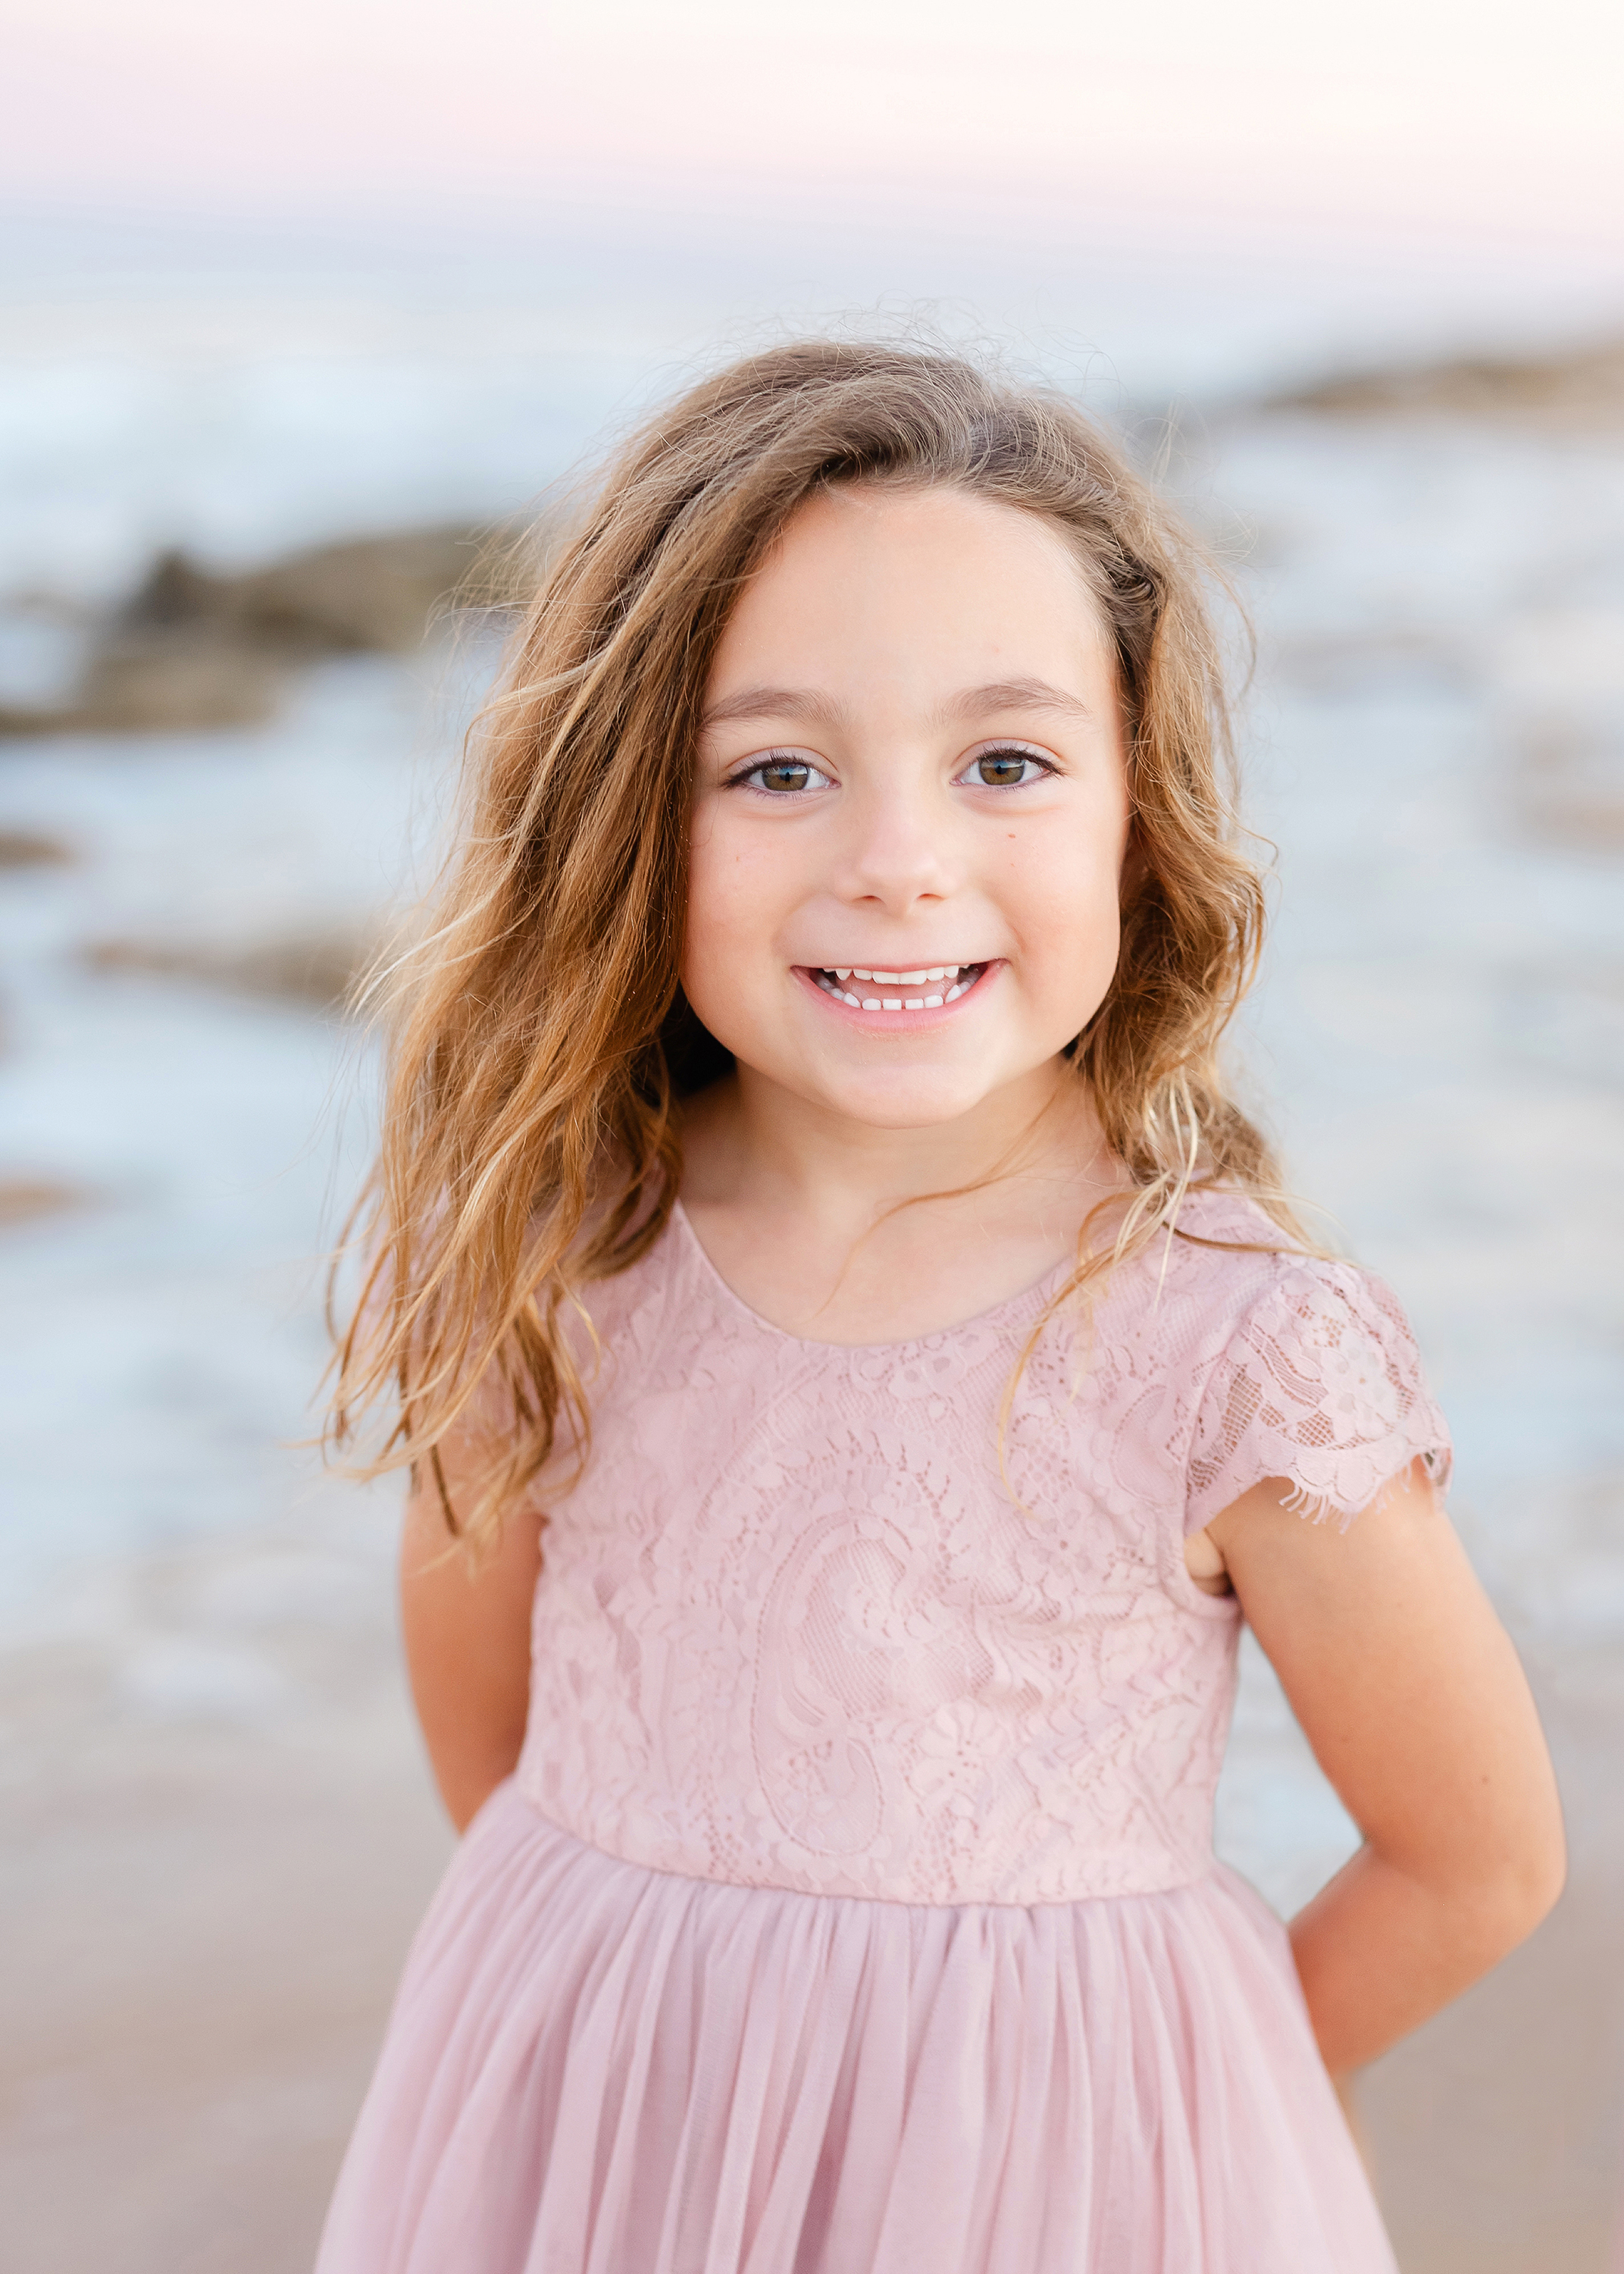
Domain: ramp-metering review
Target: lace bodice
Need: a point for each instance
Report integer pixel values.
(793, 1628)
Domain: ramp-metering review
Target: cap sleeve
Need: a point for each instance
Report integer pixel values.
(1321, 1383)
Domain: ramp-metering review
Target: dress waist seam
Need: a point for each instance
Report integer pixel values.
(1198, 1879)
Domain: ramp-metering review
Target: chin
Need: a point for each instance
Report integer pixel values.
(909, 1101)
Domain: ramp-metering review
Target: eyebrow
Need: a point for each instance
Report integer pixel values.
(1016, 695)
(806, 703)
(803, 703)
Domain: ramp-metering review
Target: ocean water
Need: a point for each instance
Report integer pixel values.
(1435, 747)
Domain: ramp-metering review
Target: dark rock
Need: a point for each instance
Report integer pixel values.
(191, 649)
(372, 593)
(1579, 391)
(181, 679)
(26, 1200)
(176, 591)
(1570, 790)
(319, 968)
(22, 849)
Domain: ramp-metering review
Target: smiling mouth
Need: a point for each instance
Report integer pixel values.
(929, 988)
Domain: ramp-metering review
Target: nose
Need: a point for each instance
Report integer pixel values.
(900, 849)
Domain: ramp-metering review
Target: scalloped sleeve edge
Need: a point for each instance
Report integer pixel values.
(1321, 1385)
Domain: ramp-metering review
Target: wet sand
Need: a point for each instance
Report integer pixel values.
(218, 1844)
(1497, 2131)
(219, 1834)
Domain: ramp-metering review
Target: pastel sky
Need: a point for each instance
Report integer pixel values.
(1472, 114)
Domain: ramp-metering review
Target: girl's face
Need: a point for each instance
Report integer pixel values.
(911, 810)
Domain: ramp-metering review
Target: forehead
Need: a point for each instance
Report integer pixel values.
(913, 585)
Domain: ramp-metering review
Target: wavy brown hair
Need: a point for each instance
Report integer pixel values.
(540, 1042)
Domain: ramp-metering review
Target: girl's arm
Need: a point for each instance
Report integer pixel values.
(468, 1644)
(1408, 1691)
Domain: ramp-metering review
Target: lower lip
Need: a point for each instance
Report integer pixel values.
(898, 1022)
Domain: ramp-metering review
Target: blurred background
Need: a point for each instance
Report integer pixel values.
(299, 304)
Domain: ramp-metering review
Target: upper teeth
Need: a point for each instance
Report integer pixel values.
(900, 978)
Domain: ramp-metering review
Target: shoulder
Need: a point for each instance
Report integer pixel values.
(1241, 1274)
(1224, 1259)
(1233, 1231)
(1227, 1259)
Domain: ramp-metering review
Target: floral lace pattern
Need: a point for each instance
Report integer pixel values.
(1320, 1383)
(792, 1631)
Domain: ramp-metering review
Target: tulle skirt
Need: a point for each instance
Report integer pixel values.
(594, 2068)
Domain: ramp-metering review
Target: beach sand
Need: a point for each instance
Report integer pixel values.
(1497, 2131)
(219, 1834)
(219, 1837)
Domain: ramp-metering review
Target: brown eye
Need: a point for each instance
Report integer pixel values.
(783, 774)
(1003, 769)
(785, 777)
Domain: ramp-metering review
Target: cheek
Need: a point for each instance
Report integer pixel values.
(730, 904)
(705, 900)
(1068, 914)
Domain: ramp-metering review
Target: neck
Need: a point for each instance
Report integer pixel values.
(762, 1147)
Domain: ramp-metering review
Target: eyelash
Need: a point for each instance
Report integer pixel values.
(742, 779)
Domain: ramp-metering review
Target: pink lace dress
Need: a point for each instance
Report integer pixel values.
(853, 1909)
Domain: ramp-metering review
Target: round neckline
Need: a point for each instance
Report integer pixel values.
(1028, 1296)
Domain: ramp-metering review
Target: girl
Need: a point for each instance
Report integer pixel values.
(857, 1372)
